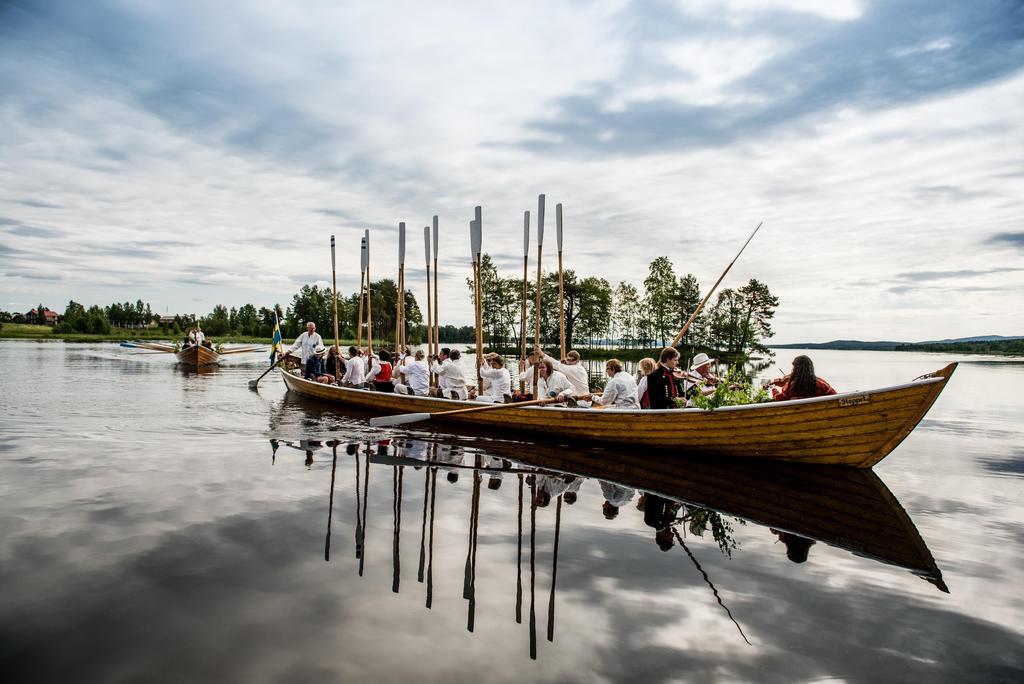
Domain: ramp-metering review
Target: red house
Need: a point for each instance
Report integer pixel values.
(52, 317)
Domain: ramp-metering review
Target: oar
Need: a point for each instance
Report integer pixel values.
(388, 421)
(700, 306)
(522, 320)
(561, 288)
(254, 384)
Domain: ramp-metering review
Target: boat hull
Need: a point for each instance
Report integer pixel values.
(197, 356)
(854, 429)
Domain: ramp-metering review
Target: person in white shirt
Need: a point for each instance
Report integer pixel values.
(621, 390)
(500, 381)
(373, 366)
(449, 374)
(551, 383)
(415, 376)
(573, 370)
(307, 344)
(615, 496)
(355, 370)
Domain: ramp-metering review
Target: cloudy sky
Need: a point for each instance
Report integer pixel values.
(195, 153)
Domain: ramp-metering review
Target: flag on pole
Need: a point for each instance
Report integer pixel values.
(275, 344)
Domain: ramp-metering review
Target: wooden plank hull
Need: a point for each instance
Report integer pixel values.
(197, 356)
(856, 429)
(849, 508)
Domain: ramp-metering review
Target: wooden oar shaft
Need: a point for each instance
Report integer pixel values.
(359, 327)
(704, 301)
(495, 407)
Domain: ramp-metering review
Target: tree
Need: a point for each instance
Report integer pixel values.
(660, 285)
(595, 310)
(759, 306)
(685, 301)
(96, 321)
(41, 315)
(74, 319)
(217, 323)
(626, 313)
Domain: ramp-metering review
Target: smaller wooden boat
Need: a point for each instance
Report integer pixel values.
(197, 356)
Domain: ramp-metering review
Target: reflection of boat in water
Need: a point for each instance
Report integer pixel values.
(850, 509)
(197, 356)
(855, 428)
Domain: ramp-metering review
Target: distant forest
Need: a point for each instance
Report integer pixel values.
(1014, 347)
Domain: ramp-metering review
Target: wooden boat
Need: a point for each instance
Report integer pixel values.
(197, 356)
(848, 508)
(854, 428)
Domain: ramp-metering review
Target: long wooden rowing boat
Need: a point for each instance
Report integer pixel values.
(854, 428)
(197, 356)
(848, 508)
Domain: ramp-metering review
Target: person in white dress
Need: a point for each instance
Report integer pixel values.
(500, 385)
(620, 391)
(415, 376)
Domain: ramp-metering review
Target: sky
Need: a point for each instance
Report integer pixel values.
(196, 153)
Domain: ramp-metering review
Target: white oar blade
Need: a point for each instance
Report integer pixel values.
(540, 220)
(526, 233)
(388, 421)
(558, 225)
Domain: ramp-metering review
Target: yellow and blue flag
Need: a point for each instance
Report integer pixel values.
(275, 344)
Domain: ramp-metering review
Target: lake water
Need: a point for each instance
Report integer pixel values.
(170, 526)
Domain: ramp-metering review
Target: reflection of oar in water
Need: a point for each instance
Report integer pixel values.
(477, 479)
(388, 421)
(708, 581)
(430, 544)
(423, 524)
(533, 567)
(396, 576)
(366, 491)
(330, 506)
(359, 508)
(554, 571)
(519, 558)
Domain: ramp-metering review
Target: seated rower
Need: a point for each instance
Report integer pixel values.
(552, 383)
(355, 370)
(334, 367)
(647, 366)
(415, 376)
(663, 386)
(500, 387)
(620, 391)
(801, 383)
(380, 375)
(451, 380)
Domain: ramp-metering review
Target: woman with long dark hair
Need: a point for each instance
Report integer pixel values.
(801, 383)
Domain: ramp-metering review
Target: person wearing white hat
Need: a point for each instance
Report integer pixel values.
(699, 378)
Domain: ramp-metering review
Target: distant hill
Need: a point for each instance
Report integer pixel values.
(842, 344)
(980, 344)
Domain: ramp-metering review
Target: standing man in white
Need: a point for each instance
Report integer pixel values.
(307, 344)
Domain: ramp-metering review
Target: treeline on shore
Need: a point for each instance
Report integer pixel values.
(598, 316)
(1013, 347)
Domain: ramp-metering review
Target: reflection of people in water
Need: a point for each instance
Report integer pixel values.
(660, 513)
(446, 453)
(797, 547)
(571, 490)
(615, 496)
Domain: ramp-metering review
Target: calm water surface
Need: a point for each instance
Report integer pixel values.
(166, 526)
